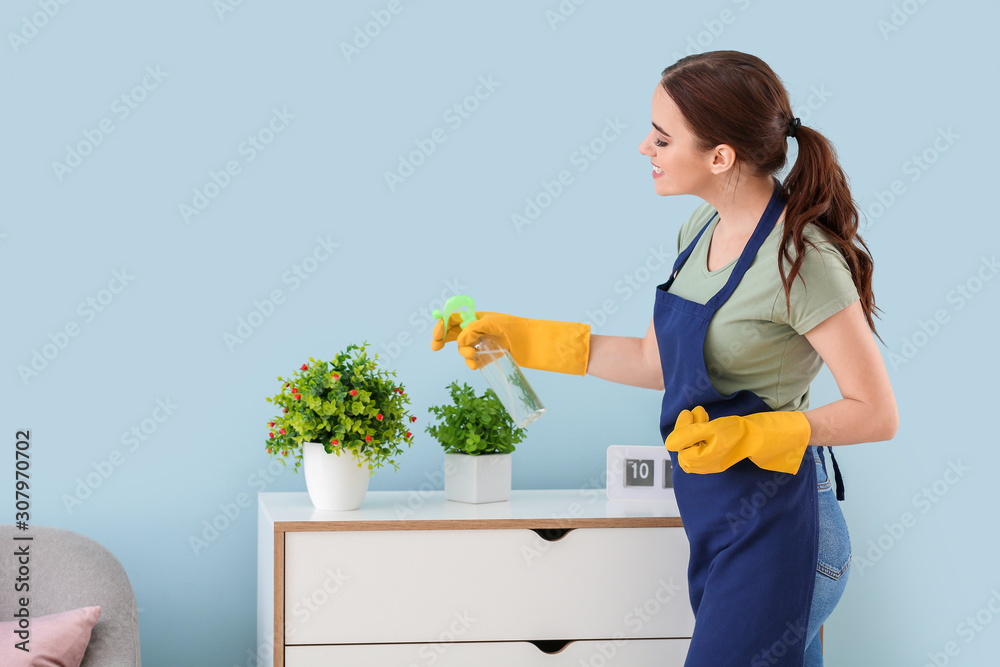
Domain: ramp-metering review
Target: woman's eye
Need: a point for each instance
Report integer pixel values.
(659, 143)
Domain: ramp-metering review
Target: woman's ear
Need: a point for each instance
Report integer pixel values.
(723, 158)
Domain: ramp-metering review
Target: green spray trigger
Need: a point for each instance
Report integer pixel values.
(454, 304)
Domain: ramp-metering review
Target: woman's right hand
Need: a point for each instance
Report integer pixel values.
(468, 337)
(439, 337)
(562, 347)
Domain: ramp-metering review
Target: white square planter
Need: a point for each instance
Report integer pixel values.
(477, 479)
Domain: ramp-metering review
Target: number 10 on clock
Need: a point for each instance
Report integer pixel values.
(639, 473)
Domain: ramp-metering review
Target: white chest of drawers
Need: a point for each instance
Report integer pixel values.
(550, 578)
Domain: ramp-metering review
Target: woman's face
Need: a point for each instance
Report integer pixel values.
(672, 148)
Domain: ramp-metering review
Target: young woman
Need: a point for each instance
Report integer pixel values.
(771, 281)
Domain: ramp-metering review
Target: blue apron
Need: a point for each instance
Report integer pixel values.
(753, 532)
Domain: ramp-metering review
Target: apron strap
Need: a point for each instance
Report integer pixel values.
(760, 234)
(836, 474)
(683, 257)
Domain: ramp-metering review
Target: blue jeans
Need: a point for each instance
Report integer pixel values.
(834, 561)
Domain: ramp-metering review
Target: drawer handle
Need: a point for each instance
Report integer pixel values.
(551, 646)
(552, 534)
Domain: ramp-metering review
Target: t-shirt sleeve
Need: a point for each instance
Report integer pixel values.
(828, 288)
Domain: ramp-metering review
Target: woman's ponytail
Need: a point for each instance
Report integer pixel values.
(817, 192)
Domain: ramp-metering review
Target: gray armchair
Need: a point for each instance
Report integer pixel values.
(69, 571)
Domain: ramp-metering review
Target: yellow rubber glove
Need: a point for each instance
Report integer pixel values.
(561, 347)
(772, 440)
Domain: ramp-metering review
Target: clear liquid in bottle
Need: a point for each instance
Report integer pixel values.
(508, 382)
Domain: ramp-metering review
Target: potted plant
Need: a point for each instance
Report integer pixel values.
(478, 437)
(341, 420)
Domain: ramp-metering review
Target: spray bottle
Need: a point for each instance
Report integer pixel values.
(498, 367)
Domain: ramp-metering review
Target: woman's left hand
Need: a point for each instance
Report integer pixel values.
(772, 440)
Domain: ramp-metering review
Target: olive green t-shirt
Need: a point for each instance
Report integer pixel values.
(753, 342)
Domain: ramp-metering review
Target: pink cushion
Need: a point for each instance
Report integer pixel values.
(57, 640)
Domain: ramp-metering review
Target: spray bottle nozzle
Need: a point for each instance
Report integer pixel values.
(455, 304)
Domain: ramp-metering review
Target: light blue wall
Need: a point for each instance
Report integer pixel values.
(882, 96)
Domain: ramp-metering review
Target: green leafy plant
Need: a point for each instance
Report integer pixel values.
(474, 424)
(347, 404)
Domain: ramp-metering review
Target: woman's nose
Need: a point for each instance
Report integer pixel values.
(644, 146)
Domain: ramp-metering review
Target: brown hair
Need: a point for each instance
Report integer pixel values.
(733, 98)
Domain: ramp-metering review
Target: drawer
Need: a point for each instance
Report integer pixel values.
(434, 586)
(625, 653)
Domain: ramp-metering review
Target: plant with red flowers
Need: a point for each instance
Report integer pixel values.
(347, 404)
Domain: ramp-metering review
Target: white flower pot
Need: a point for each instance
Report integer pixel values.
(334, 481)
(477, 479)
